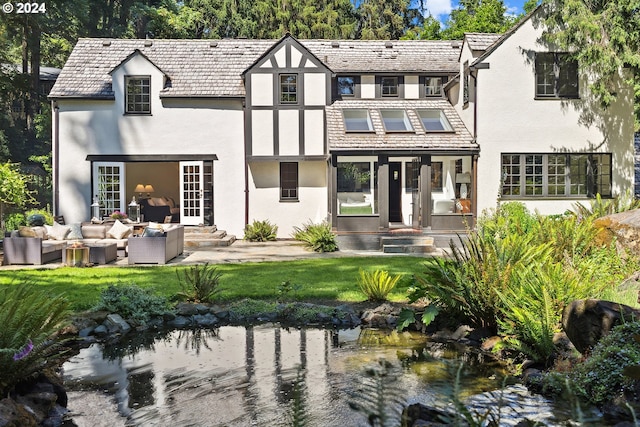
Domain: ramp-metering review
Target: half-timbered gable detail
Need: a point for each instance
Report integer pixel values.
(287, 91)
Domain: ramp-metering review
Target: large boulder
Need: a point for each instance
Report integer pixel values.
(586, 321)
(623, 228)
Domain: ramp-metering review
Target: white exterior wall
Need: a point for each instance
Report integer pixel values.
(368, 86)
(509, 119)
(411, 87)
(174, 127)
(264, 194)
(315, 89)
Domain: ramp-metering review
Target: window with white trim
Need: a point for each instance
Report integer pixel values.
(138, 95)
(556, 75)
(567, 175)
(433, 86)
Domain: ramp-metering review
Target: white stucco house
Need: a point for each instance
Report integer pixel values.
(369, 135)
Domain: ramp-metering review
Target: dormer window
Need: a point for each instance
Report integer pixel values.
(357, 120)
(138, 95)
(389, 86)
(288, 88)
(346, 86)
(434, 121)
(433, 86)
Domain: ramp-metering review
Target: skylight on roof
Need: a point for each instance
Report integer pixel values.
(434, 121)
(357, 120)
(395, 120)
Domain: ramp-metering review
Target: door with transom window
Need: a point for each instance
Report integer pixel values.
(191, 193)
(109, 187)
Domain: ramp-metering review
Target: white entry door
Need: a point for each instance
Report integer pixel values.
(191, 193)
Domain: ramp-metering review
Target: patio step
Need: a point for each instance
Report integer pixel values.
(206, 237)
(416, 244)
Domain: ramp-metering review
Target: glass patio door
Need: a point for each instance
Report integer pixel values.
(191, 193)
(109, 187)
(416, 202)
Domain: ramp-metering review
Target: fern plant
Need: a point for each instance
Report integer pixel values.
(30, 321)
(317, 237)
(377, 285)
(260, 231)
(199, 283)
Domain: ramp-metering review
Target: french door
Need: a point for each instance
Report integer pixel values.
(191, 193)
(109, 187)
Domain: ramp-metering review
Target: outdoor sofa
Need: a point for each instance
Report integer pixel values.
(41, 244)
(156, 245)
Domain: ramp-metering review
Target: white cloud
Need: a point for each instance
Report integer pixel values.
(437, 8)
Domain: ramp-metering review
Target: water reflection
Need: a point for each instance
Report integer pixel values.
(263, 375)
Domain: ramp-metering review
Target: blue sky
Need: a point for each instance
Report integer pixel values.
(440, 9)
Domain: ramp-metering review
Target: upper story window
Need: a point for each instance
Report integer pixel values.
(465, 84)
(433, 86)
(138, 95)
(395, 120)
(346, 86)
(434, 121)
(357, 120)
(288, 88)
(556, 76)
(389, 86)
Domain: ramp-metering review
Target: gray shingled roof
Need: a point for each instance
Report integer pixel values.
(481, 41)
(339, 140)
(213, 68)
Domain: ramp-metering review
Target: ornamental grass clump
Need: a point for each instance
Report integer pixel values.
(377, 285)
(199, 283)
(317, 237)
(31, 320)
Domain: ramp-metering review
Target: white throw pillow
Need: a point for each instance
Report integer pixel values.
(118, 231)
(57, 231)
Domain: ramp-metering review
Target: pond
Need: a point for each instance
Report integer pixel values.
(262, 376)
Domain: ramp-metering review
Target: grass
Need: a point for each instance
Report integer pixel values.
(330, 279)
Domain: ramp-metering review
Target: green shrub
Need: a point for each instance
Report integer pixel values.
(30, 218)
(601, 378)
(199, 283)
(30, 320)
(600, 207)
(377, 285)
(132, 303)
(260, 231)
(15, 221)
(317, 237)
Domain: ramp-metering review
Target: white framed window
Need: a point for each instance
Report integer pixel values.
(433, 86)
(138, 95)
(357, 120)
(395, 121)
(109, 186)
(434, 121)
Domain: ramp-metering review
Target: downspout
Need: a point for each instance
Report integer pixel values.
(246, 167)
(55, 156)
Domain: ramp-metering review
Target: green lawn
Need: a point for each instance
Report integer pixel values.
(319, 279)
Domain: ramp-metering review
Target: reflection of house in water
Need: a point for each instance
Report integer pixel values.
(235, 376)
